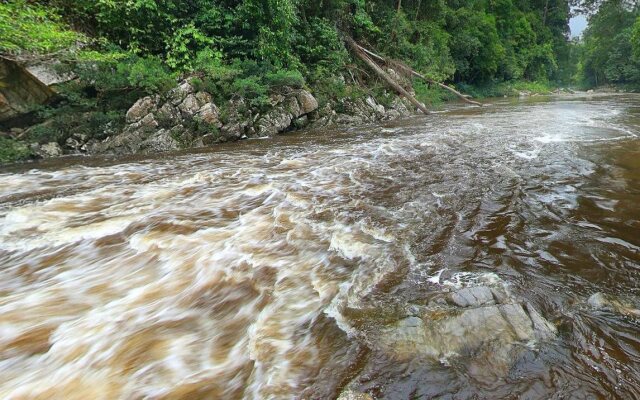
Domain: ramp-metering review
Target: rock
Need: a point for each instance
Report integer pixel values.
(72, 143)
(160, 141)
(274, 122)
(352, 395)
(600, 301)
(80, 137)
(232, 131)
(209, 114)
(590, 91)
(140, 109)
(148, 122)
(473, 297)
(48, 150)
(377, 108)
(189, 106)
(490, 330)
(20, 90)
(168, 115)
(47, 74)
(308, 103)
(203, 98)
(178, 94)
(293, 107)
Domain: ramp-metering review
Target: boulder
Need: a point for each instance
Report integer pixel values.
(473, 320)
(203, 98)
(274, 122)
(160, 141)
(168, 114)
(20, 91)
(473, 297)
(48, 150)
(308, 103)
(178, 94)
(209, 114)
(189, 106)
(72, 143)
(140, 109)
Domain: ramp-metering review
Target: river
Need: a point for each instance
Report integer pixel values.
(268, 269)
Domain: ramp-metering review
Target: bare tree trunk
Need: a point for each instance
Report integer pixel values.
(376, 68)
(418, 75)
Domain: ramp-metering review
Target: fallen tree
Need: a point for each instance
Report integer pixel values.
(402, 68)
(357, 49)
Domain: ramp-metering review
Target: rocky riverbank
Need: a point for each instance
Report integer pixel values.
(189, 118)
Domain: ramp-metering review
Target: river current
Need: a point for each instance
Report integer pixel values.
(264, 269)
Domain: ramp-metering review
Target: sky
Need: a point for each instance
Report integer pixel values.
(577, 25)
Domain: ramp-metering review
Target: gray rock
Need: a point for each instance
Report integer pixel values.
(377, 108)
(473, 321)
(274, 122)
(48, 150)
(72, 143)
(308, 103)
(293, 107)
(147, 123)
(203, 98)
(178, 94)
(209, 114)
(353, 395)
(168, 114)
(80, 137)
(160, 141)
(189, 106)
(473, 297)
(232, 131)
(141, 108)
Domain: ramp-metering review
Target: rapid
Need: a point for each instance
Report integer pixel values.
(271, 269)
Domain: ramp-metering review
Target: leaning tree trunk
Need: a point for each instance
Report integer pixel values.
(409, 71)
(380, 72)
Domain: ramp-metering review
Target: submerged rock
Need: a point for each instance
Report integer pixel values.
(473, 296)
(600, 301)
(481, 321)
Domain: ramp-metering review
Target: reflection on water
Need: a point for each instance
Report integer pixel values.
(269, 269)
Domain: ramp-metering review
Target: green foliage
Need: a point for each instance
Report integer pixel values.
(25, 27)
(66, 121)
(12, 150)
(282, 77)
(475, 46)
(509, 89)
(430, 95)
(610, 51)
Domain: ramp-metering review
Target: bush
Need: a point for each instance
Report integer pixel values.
(11, 150)
(281, 78)
(66, 121)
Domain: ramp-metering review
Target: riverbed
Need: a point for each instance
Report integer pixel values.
(278, 269)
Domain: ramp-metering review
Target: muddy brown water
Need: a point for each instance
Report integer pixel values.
(256, 270)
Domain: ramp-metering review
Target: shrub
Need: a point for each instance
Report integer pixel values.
(11, 150)
(281, 78)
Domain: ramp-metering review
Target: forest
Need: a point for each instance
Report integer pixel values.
(119, 51)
